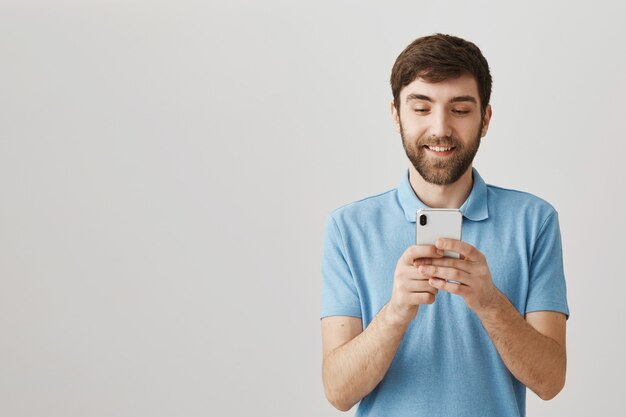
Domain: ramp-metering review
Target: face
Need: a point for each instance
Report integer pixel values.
(441, 127)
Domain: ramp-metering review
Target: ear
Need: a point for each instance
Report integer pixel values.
(486, 121)
(395, 117)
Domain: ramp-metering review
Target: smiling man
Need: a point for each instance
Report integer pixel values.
(397, 335)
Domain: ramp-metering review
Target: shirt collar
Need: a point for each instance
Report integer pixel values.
(474, 208)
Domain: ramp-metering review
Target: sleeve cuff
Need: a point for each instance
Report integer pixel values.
(558, 307)
(352, 311)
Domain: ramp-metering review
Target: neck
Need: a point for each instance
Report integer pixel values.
(441, 196)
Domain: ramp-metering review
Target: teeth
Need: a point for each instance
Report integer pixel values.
(439, 149)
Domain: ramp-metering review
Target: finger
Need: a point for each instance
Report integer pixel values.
(409, 272)
(450, 287)
(405, 295)
(451, 263)
(419, 251)
(416, 298)
(468, 251)
(445, 273)
(422, 261)
(412, 275)
(419, 286)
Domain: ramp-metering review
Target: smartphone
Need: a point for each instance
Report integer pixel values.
(433, 224)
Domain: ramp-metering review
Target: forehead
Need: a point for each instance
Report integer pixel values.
(443, 91)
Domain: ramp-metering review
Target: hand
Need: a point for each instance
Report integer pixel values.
(410, 286)
(472, 271)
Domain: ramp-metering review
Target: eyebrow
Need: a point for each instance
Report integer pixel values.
(457, 99)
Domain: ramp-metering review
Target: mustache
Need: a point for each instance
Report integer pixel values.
(441, 142)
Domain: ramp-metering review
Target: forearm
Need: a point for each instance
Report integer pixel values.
(353, 370)
(537, 361)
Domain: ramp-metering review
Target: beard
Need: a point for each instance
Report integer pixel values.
(441, 170)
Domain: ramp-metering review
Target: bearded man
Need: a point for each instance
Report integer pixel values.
(409, 332)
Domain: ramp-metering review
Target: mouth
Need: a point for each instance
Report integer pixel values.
(440, 150)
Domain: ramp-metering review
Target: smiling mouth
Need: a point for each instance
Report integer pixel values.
(440, 149)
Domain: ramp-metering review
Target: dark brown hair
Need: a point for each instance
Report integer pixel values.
(437, 58)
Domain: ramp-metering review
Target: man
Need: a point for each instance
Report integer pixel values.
(397, 335)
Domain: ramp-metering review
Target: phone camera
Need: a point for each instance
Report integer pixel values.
(423, 220)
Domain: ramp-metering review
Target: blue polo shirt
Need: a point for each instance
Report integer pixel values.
(446, 365)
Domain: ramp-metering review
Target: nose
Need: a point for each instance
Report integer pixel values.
(441, 127)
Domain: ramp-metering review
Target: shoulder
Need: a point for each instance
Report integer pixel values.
(518, 198)
(365, 210)
(520, 205)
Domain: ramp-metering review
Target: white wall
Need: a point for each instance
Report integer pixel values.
(166, 169)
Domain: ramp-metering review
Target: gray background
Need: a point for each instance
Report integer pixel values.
(166, 169)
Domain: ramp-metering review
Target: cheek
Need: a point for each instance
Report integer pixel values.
(413, 130)
(469, 128)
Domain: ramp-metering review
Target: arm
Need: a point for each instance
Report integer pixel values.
(533, 349)
(356, 360)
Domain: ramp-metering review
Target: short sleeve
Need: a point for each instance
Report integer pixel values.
(547, 289)
(339, 293)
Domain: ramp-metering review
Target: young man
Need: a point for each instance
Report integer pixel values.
(397, 335)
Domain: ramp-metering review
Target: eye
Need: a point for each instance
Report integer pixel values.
(460, 111)
(420, 110)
